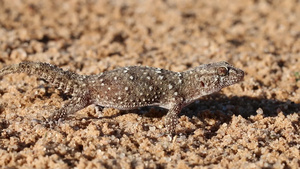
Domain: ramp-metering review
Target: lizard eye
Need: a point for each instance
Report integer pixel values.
(222, 71)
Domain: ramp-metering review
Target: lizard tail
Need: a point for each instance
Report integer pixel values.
(65, 81)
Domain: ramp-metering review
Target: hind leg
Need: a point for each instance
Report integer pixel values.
(70, 107)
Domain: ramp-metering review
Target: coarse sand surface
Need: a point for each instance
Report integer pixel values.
(252, 124)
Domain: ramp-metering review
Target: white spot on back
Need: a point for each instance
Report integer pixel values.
(131, 77)
(126, 88)
(170, 86)
(150, 88)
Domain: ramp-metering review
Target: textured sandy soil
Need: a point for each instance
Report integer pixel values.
(253, 124)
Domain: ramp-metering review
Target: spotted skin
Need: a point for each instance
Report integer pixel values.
(133, 87)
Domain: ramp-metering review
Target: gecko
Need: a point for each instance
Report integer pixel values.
(132, 87)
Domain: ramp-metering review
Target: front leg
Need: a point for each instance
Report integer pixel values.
(172, 119)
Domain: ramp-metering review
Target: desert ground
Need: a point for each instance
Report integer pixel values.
(252, 124)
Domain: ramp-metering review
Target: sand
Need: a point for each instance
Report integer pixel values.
(253, 124)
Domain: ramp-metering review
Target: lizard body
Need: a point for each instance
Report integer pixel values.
(134, 86)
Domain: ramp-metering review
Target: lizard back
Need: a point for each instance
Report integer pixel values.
(135, 86)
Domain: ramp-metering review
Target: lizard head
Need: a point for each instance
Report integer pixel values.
(210, 78)
(226, 75)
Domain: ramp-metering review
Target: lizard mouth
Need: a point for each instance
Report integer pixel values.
(237, 75)
(234, 76)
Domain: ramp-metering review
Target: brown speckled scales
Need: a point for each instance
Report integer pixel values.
(132, 87)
